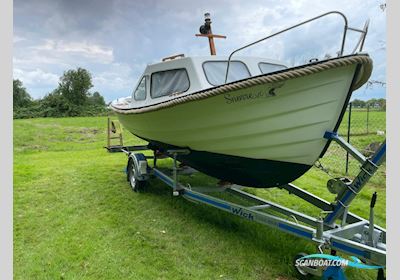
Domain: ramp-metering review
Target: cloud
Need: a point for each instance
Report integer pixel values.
(17, 39)
(99, 53)
(115, 39)
(35, 77)
(117, 78)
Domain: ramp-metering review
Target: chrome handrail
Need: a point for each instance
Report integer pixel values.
(362, 37)
(364, 31)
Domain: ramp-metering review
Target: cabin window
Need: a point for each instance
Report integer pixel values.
(169, 82)
(140, 91)
(269, 67)
(215, 71)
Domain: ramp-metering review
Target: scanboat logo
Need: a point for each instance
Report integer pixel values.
(324, 260)
(269, 92)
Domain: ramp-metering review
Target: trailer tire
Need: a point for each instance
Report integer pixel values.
(136, 184)
(301, 274)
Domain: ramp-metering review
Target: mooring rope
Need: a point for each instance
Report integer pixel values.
(364, 60)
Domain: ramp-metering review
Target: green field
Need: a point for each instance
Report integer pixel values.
(363, 132)
(363, 122)
(75, 216)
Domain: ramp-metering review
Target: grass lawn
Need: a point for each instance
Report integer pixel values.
(363, 132)
(363, 122)
(75, 216)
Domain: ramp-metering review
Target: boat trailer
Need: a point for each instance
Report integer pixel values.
(352, 234)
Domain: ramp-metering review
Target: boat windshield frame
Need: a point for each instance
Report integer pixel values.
(224, 61)
(145, 77)
(275, 64)
(173, 93)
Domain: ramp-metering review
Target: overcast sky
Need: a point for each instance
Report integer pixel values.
(115, 39)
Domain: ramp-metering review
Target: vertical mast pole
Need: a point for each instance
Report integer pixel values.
(205, 31)
(211, 42)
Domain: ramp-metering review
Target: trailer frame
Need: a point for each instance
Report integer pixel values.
(354, 235)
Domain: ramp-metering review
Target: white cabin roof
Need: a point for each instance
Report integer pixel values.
(196, 74)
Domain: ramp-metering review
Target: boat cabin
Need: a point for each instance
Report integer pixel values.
(179, 76)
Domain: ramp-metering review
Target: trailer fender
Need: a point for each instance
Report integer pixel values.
(139, 162)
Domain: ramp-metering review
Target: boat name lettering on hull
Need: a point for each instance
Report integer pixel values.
(270, 92)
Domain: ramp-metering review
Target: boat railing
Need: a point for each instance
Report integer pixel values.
(359, 45)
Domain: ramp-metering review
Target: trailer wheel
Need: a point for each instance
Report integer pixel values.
(302, 274)
(136, 184)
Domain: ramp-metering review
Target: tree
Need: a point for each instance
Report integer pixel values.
(55, 104)
(21, 97)
(371, 102)
(97, 99)
(71, 98)
(357, 103)
(74, 85)
(382, 103)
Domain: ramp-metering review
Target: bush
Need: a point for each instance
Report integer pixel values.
(34, 110)
(70, 99)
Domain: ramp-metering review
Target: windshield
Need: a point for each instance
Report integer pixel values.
(268, 67)
(169, 82)
(215, 71)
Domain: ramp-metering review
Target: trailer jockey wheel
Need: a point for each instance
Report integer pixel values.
(302, 273)
(132, 176)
